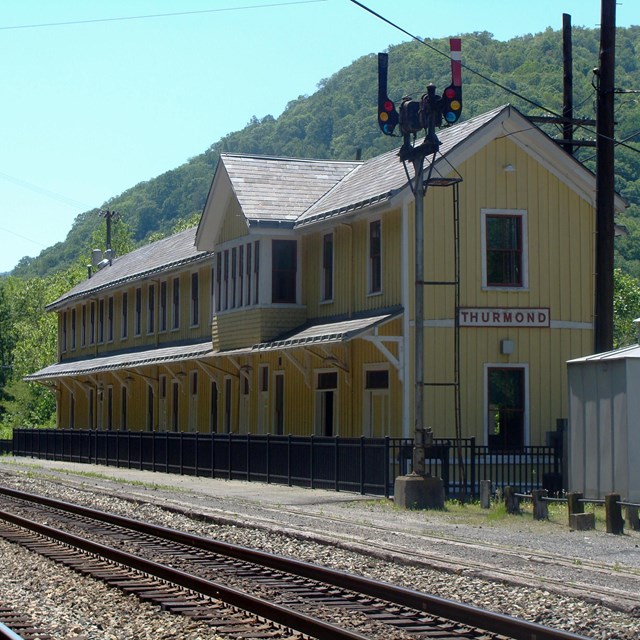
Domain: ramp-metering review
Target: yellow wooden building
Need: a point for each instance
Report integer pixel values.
(290, 310)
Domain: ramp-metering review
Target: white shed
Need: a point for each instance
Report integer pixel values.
(604, 424)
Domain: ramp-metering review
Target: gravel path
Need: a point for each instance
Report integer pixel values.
(516, 566)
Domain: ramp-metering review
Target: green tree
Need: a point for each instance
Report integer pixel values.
(626, 308)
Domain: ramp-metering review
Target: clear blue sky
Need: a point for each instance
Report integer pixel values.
(92, 108)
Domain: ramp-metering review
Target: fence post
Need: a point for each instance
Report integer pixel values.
(386, 467)
(472, 466)
(336, 473)
(632, 518)
(361, 465)
(289, 459)
(613, 513)
(248, 457)
(540, 505)
(229, 456)
(196, 461)
(574, 504)
(485, 494)
(268, 459)
(311, 469)
(511, 500)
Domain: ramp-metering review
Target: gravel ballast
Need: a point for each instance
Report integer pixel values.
(532, 571)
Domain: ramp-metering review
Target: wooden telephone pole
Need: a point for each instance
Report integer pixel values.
(605, 188)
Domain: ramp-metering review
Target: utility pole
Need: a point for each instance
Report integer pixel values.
(567, 83)
(605, 185)
(110, 216)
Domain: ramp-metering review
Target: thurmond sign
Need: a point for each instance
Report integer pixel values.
(516, 317)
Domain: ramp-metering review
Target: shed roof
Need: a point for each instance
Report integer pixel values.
(632, 351)
(120, 361)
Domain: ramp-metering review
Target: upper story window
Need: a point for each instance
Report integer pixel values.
(327, 267)
(175, 304)
(163, 305)
(83, 328)
(63, 322)
(151, 308)
(256, 271)
(110, 319)
(101, 320)
(218, 281)
(233, 284)
(504, 258)
(195, 300)
(124, 320)
(138, 317)
(73, 329)
(92, 322)
(375, 257)
(283, 271)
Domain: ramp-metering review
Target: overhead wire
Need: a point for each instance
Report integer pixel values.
(157, 15)
(483, 76)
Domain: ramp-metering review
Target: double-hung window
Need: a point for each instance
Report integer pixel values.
(504, 239)
(375, 257)
(283, 272)
(327, 267)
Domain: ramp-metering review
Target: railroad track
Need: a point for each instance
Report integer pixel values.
(15, 625)
(189, 574)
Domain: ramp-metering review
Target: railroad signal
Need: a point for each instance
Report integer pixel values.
(451, 103)
(387, 114)
(452, 95)
(415, 115)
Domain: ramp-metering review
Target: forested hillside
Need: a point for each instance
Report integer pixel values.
(340, 119)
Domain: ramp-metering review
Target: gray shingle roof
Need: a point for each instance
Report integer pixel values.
(120, 361)
(162, 255)
(380, 178)
(281, 188)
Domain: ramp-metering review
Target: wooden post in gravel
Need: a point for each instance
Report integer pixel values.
(633, 522)
(485, 494)
(573, 503)
(511, 500)
(613, 513)
(540, 505)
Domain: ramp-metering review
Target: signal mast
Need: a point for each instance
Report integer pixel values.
(430, 112)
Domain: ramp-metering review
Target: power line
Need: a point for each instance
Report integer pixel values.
(484, 77)
(29, 186)
(159, 15)
(464, 66)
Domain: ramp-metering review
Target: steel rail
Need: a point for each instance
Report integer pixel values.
(276, 613)
(498, 623)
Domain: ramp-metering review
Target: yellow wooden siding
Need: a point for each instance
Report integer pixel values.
(234, 225)
(560, 266)
(248, 326)
(351, 267)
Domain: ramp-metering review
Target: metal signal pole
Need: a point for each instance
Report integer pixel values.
(605, 185)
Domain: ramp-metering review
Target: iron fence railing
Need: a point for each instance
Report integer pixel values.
(6, 446)
(359, 465)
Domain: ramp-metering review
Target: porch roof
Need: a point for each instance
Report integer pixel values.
(90, 366)
(321, 333)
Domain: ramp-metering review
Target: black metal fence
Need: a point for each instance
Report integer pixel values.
(359, 465)
(6, 446)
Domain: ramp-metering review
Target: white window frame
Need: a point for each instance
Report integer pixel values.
(522, 214)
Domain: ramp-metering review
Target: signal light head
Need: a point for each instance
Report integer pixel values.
(452, 103)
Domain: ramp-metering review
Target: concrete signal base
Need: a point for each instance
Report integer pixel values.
(418, 492)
